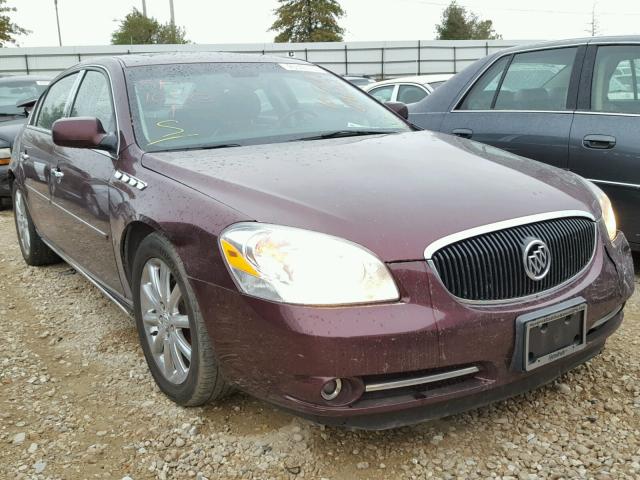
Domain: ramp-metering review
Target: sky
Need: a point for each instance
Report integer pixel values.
(90, 22)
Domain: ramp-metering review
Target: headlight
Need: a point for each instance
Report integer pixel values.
(5, 156)
(298, 266)
(607, 210)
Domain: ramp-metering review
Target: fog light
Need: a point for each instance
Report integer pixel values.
(331, 389)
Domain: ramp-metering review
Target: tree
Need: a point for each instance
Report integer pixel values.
(459, 24)
(308, 21)
(138, 29)
(8, 29)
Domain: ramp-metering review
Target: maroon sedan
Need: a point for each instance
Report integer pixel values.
(275, 229)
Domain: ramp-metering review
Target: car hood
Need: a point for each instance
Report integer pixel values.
(394, 194)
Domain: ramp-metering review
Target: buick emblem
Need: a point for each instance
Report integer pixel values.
(537, 260)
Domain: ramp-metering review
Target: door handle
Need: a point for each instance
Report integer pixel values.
(463, 132)
(599, 142)
(56, 172)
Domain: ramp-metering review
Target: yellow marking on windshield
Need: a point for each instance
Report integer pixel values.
(174, 135)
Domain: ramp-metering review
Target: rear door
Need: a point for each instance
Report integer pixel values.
(83, 183)
(605, 137)
(38, 153)
(523, 103)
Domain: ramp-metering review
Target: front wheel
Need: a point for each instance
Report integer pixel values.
(171, 329)
(34, 251)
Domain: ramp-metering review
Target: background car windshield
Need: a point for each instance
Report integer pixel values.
(12, 92)
(199, 105)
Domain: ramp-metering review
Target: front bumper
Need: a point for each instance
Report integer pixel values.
(285, 354)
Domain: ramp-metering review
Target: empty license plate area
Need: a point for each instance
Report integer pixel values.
(551, 336)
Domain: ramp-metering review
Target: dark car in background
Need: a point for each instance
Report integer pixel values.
(14, 91)
(274, 228)
(574, 104)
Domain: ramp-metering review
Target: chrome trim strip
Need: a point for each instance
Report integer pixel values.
(492, 227)
(611, 114)
(618, 184)
(410, 382)
(513, 111)
(105, 235)
(122, 304)
(41, 195)
(498, 58)
(605, 319)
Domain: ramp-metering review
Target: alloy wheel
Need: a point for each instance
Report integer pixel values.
(165, 320)
(22, 220)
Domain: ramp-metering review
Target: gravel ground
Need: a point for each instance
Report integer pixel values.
(76, 401)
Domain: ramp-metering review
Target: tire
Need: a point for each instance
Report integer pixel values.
(5, 203)
(166, 320)
(34, 251)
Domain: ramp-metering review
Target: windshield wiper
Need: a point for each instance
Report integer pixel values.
(345, 133)
(208, 147)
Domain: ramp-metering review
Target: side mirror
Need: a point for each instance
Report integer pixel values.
(27, 105)
(83, 132)
(398, 108)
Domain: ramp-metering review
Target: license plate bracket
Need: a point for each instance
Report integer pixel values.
(550, 334)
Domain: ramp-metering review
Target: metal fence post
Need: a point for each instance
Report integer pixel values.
(346, 60)
(486, 48)
(455, 60)
(419, 55)
(306, 54)
(382, 63)
(26, 63)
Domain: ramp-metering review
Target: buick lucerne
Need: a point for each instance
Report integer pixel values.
(273, 228)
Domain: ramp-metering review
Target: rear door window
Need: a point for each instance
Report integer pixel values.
(537, 81)
(481, 95)
(410, 94)
(616, 80)
(383, 94)
(534, 81)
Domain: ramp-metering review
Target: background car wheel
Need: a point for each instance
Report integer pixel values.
(171, 329)
(5, 203)
(34, 251)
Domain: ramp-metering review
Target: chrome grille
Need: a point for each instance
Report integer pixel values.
(490, 266)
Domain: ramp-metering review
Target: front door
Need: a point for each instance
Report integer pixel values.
(81, 193)
(38, 153)
(523, 103)
(605, 144)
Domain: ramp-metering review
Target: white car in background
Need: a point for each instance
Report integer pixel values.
(406, 89)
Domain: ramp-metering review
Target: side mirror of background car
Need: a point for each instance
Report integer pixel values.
(83, 132)
(27, 105)
(398, 108)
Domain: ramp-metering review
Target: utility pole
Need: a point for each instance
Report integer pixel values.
(594, 29)
(55, 2)
(144, 7)
(173, 15)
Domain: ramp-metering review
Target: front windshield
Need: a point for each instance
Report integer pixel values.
(211, 104)
(14, 91)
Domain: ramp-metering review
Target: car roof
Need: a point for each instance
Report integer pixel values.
(421, 79)
(144, 59)
(573, 41)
